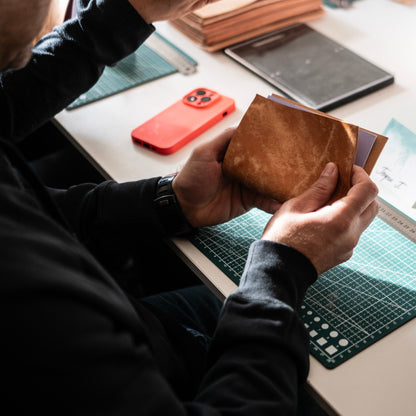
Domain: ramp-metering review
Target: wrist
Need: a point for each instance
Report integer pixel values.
(169, 209)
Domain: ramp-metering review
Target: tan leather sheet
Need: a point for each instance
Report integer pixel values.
(281, 151)
(375, 150)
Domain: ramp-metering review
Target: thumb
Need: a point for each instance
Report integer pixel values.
(320, 192)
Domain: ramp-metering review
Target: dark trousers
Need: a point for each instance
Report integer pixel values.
(195, 308)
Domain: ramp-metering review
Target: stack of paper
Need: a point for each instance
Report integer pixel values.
(227, 22)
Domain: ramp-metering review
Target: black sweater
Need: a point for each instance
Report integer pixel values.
(71, 340)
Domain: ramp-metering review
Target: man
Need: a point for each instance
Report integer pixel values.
(73, 341)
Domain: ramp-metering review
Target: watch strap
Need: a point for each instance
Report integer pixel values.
(168, 208)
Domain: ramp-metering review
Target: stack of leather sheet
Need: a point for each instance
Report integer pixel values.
(227, 22)
(281, 147)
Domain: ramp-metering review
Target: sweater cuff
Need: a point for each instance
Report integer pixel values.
(278, 271)
(110, 17)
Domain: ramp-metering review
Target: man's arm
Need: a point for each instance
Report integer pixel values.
(260, 349)
(82, 323)
(112, 218)
(90, 351)
(260, 352)
(67, 62)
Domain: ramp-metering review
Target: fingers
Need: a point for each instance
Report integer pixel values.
(219, 145)
(363, 188)
(361, 194)
(368, 214)
(216, 148)
(326, 234)
(253, 199)
(320, 192)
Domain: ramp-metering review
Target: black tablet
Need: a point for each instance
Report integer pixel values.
(310, 67)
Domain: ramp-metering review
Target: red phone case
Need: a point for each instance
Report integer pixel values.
(183, 121)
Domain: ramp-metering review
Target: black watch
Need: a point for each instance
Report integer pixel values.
(168, 208)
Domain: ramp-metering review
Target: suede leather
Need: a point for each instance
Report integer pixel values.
(281, 151)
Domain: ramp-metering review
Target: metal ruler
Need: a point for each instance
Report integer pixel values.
(171, 54)
(396, 219)
(338, 3)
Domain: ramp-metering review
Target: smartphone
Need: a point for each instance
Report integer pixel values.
(183, 121)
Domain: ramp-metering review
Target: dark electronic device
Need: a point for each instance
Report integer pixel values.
(310, 67)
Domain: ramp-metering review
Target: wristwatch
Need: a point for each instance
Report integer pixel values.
(168, 208)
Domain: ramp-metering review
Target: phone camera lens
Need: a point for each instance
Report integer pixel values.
(191, 98)
(205, 99)
(201, 92)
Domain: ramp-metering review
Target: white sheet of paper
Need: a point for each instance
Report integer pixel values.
(395, 170)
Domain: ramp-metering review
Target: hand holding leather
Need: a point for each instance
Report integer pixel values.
(206, 195)
(326, 234)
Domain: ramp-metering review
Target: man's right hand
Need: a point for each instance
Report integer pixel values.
(326, 234)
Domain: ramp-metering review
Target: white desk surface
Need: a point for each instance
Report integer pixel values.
(381, 379)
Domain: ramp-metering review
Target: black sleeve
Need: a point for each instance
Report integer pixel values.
(67, 62)
(114, 219)
(71, 341)
(111, 217)
(260, 353)
(73, 344)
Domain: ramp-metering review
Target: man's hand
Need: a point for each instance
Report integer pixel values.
(326, 234)
(157, 10)
(206, 196)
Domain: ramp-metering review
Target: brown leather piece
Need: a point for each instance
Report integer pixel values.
(280, 151)
(378, 145)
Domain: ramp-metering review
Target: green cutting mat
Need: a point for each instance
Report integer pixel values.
(142, 66)
(349, 307)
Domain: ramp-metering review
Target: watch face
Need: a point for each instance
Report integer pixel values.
(166, 180)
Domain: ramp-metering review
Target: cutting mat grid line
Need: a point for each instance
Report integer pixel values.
(349, 307)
